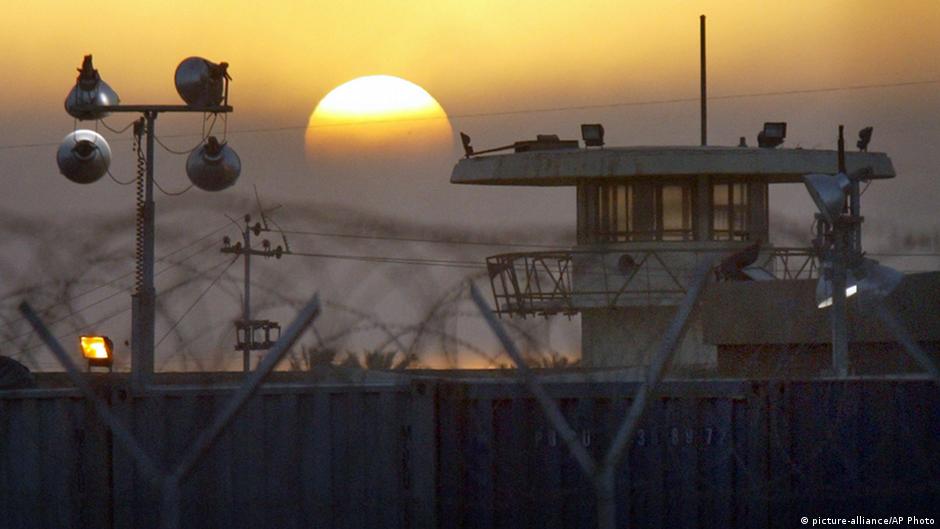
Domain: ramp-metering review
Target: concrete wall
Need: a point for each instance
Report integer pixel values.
(629, 336)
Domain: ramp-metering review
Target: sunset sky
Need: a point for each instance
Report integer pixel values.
(502, 71)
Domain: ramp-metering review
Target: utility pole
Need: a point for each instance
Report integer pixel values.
(252, 335)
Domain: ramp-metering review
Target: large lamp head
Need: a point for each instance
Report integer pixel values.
(824, 287)
(868, 278)
(772, 135)
(876, 279)
(213, 166)
(97, 350)
(84, 156)
(201, 83)
(89, 93)
(592, 134)
(828, 192)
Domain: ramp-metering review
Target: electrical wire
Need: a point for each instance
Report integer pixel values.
(170, 150)
(198, 298)
(421, 239)
(121, 182)
(171, 193)
(395, 260)
(106, 298)
(468, 115)
(117, 131)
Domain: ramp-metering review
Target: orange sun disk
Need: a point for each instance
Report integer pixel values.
(377, 116)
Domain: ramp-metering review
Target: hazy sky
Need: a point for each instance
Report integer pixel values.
(503, 71)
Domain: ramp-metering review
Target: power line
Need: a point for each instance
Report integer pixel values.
(395, 260)
(420, 239)
(198, 298)
(106, 298)
(472, 115)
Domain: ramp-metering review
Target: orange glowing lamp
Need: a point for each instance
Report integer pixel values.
(97, 350)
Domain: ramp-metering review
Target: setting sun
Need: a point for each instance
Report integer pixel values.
(373, 114)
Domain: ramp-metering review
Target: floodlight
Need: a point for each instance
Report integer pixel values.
(864, 138)
(828, 192)
(84, 156)
(869, 277)
(592, 134)
(89, 93)
(97, 350)
(213, 166)
(877, 279)
(773, 134)
(201, 83)
(824, 289)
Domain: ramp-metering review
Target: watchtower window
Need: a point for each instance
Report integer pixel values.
(730, 211)
(675, 214)
(641, 211)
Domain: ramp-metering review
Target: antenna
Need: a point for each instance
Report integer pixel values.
(264, 219)
(701, 25)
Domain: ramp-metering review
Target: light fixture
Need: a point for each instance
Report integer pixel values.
(592, 134)
(97, 350)
(867, 278)
(773, 134)
(84, 156)
(824, 286)
(828, 192)
(202, 83)
(89, 93)
(213, 166)
(864, 138)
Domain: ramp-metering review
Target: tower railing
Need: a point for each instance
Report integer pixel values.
(564, 282)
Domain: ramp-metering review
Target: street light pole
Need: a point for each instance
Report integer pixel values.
(143, 313)
(84, 157)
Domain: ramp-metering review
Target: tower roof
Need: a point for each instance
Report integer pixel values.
(567, 167)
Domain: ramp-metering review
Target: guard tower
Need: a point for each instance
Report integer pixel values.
(645, 216)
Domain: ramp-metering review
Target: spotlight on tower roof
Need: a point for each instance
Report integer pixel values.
(864, 138)
(773, 134)
(593, 134)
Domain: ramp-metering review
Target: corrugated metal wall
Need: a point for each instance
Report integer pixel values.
(708, 454)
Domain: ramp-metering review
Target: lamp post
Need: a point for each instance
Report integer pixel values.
(839, 244)
(84, 157)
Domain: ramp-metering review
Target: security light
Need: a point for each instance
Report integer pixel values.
(869, 277)
(213, 166)
(864, 138)
(97, 350)
(84, 156)
(201, 83)
(89, 93)
(828, 192)
(773, 134)
(592, 134)
(824, 288)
